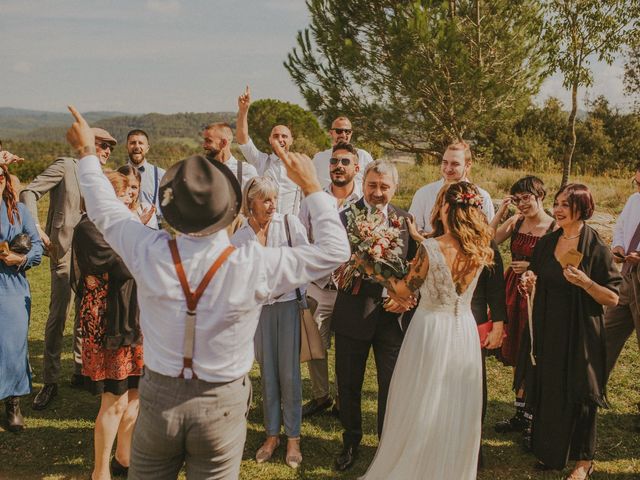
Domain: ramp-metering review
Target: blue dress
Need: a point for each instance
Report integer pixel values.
(15, 306)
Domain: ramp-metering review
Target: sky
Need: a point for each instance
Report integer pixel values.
(169, 56)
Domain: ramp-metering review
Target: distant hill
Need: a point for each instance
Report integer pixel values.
(50, 126)
(16, 122)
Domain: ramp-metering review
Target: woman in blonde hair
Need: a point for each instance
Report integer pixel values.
(277, 339)
(433, 420)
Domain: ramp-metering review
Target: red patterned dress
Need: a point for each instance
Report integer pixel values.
(110, 370)
(522, 245)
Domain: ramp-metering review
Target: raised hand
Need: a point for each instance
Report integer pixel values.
(146, 214)
(244, 100)
(80, 136)
(7, 158)
(300, 169)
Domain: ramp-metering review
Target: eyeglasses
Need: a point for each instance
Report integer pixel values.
(344, 161)
(340, 131)
(104, 146)
(524, 198)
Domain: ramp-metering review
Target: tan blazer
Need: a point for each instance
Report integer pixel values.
(60, 179)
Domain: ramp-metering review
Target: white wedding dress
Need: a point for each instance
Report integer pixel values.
(432, 426)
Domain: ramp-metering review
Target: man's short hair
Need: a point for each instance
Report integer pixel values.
(137, 131)
(464, 146)
(345, 146)
(340, 118)
(382, 167)
(223, 127)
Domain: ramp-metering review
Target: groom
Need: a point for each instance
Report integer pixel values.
(361, 322)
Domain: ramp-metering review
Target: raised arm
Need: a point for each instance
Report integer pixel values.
(242, 122)
(115, 221)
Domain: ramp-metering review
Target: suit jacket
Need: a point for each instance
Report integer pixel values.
(60, 180)
(356, 315)
(490, 292)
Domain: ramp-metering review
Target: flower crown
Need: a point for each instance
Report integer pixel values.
(472, 199)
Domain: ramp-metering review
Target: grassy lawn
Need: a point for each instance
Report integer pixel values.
(58, 442)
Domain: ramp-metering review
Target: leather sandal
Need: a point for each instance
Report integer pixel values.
(293, 458)
(265, 453)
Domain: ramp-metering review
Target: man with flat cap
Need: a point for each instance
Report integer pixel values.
(200, 300)
(60, 180)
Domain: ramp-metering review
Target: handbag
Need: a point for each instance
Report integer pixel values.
(311, 344)
(21, 244)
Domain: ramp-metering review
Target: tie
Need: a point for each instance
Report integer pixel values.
(141, 168)
(626, 267)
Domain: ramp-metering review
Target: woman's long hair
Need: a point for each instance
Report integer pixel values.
(466, 221)
(10, 196)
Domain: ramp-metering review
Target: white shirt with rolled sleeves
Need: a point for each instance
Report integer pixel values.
(306, 221)
(248, 170)
(289, 194)
(276, 237)
(229, 309)
(321, 162)
(626, 224)
(425, 198)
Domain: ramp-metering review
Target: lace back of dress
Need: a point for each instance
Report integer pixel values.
(438, 291)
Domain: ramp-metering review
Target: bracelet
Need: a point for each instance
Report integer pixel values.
(590, 285)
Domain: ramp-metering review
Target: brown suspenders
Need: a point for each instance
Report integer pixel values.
(192, 299)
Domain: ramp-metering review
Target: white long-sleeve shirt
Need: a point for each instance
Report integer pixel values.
(229, 309)
(425, 198)
(626, 224)
(289, 194)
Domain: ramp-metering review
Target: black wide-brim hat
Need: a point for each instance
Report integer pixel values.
(199, 197)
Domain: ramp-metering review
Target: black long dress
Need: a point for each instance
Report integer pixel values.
(567, 384)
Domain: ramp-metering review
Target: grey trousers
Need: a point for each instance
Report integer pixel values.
(200, 424)
(319, 369)
(59, 304)
(620, 321)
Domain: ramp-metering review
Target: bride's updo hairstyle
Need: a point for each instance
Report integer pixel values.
(465, 220)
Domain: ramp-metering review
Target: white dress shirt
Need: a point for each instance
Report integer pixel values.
(289, 194)
(248, 170)
(229, 309)
(425, 198)
(306, 220)
(276, 237)
(321, 162)
(626, 224)
(149, 187)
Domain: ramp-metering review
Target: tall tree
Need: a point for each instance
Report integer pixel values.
(582, 30)
(632, 66)
(416, 74)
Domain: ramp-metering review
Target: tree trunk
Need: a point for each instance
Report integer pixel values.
(570, 144)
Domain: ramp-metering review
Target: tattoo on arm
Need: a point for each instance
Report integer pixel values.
(415, 278)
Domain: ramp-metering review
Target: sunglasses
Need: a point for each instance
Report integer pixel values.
(343, 161)
(524, 198)
(340, 131)
(104, 146)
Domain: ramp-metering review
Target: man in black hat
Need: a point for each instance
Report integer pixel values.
(199, 341)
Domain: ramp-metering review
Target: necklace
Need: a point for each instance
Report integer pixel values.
(570, 238)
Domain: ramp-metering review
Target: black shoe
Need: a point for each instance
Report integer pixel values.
(44, 396)
(347, 458)
(15, 420)
(316, 405)
(118, 470)
(77, 381)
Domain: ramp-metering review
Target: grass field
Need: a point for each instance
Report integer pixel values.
(58, 442)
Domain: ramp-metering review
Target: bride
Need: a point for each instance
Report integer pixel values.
(433, 422)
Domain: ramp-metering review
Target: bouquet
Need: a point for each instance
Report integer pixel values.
(375, 241)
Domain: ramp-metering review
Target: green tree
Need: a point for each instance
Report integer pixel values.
(308, 135)
(632, 66)
(416, 74)
(582, 30)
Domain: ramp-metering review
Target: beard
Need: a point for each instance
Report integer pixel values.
(212, 154)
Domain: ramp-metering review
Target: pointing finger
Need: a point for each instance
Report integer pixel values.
(76, 114)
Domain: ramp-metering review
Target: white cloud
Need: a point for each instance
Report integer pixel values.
(22, 67)
(164, 7)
